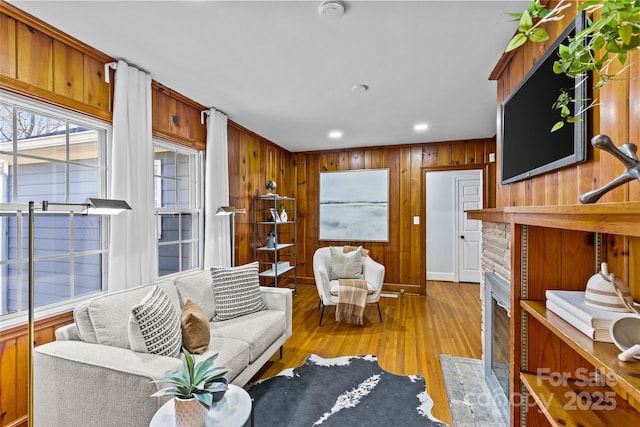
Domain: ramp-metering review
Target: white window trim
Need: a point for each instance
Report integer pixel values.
(49, 310)
(196, 197)
(39, 107)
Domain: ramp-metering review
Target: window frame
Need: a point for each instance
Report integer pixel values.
(105, 130)
(196, 209)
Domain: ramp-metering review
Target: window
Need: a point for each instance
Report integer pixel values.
(177, 173)
(50, 154)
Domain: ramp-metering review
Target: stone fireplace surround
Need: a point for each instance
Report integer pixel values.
(496, 248)
(495, 262)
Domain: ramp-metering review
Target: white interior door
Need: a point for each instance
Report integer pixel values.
(469, 196)
(449, 256)
(441, 226)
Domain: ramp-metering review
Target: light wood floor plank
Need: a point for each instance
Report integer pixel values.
(414, 332)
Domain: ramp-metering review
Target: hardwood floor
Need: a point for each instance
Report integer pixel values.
(414, 332)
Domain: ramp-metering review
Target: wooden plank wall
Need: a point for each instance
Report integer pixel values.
(253, 160)
(618, 116)
(14, 347)
(297, 175)
(40, 62)
(176, 118)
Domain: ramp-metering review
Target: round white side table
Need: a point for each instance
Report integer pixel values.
(233, 410)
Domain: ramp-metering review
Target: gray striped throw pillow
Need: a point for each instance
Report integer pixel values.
(154, 325)
(236, 291)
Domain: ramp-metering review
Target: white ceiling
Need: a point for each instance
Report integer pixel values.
(279, 69)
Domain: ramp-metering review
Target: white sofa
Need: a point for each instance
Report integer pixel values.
(89, 376)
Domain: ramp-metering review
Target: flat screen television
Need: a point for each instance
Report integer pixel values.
(528, 147)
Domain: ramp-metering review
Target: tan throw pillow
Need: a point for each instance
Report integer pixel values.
(196, 332)
(347, 249)
(345, 266)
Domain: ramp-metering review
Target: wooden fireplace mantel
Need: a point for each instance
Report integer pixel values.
(609, 218)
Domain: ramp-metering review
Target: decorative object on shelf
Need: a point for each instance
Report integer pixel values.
(572, 308)
(607, 292)
(626, 153)
(626, 336)
(280, 266)
(271, 187)
(192, 389)
(274, 215)
(271, 240)
(283, 213)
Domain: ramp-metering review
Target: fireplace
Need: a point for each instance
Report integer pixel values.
(497, 312)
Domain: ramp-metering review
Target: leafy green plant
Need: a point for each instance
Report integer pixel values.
(609, 37)
(194, 380)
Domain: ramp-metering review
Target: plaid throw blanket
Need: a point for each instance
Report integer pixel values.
(352, 298)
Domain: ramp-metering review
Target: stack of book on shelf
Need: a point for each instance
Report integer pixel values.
(593, 322)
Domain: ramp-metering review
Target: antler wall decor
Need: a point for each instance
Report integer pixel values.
(626, 153)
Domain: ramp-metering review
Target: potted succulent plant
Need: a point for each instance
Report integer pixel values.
(192, 389)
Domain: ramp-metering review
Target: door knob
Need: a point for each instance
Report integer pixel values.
(462, 237)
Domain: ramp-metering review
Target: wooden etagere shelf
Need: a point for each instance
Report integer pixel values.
(560, 247)
(277, 261)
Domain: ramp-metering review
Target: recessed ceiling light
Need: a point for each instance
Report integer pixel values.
(420, 127)
(335, 134)
(360, 88)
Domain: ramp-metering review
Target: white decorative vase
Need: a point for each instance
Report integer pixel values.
(283, 215)
(189, 413)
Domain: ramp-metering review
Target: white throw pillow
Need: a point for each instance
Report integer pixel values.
(345, 265)
(236, 291)
(197, 288)
(154, 325)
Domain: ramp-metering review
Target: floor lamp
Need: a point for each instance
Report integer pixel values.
(91, 206)
(231, 211)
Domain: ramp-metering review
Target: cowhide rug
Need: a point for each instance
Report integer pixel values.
(342, 392)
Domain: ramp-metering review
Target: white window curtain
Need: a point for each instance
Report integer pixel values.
(217, 233)
(133, 260)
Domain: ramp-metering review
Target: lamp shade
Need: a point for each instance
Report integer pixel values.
(228, 210)
(106, 206)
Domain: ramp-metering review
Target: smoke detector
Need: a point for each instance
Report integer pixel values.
(331, 10)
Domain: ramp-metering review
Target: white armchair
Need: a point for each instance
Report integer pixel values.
(328, 289)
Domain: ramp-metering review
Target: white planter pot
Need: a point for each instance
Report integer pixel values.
(189, 413)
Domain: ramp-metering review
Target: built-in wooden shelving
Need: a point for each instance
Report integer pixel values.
(604, 356)
(576, 403)
(555, 247)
